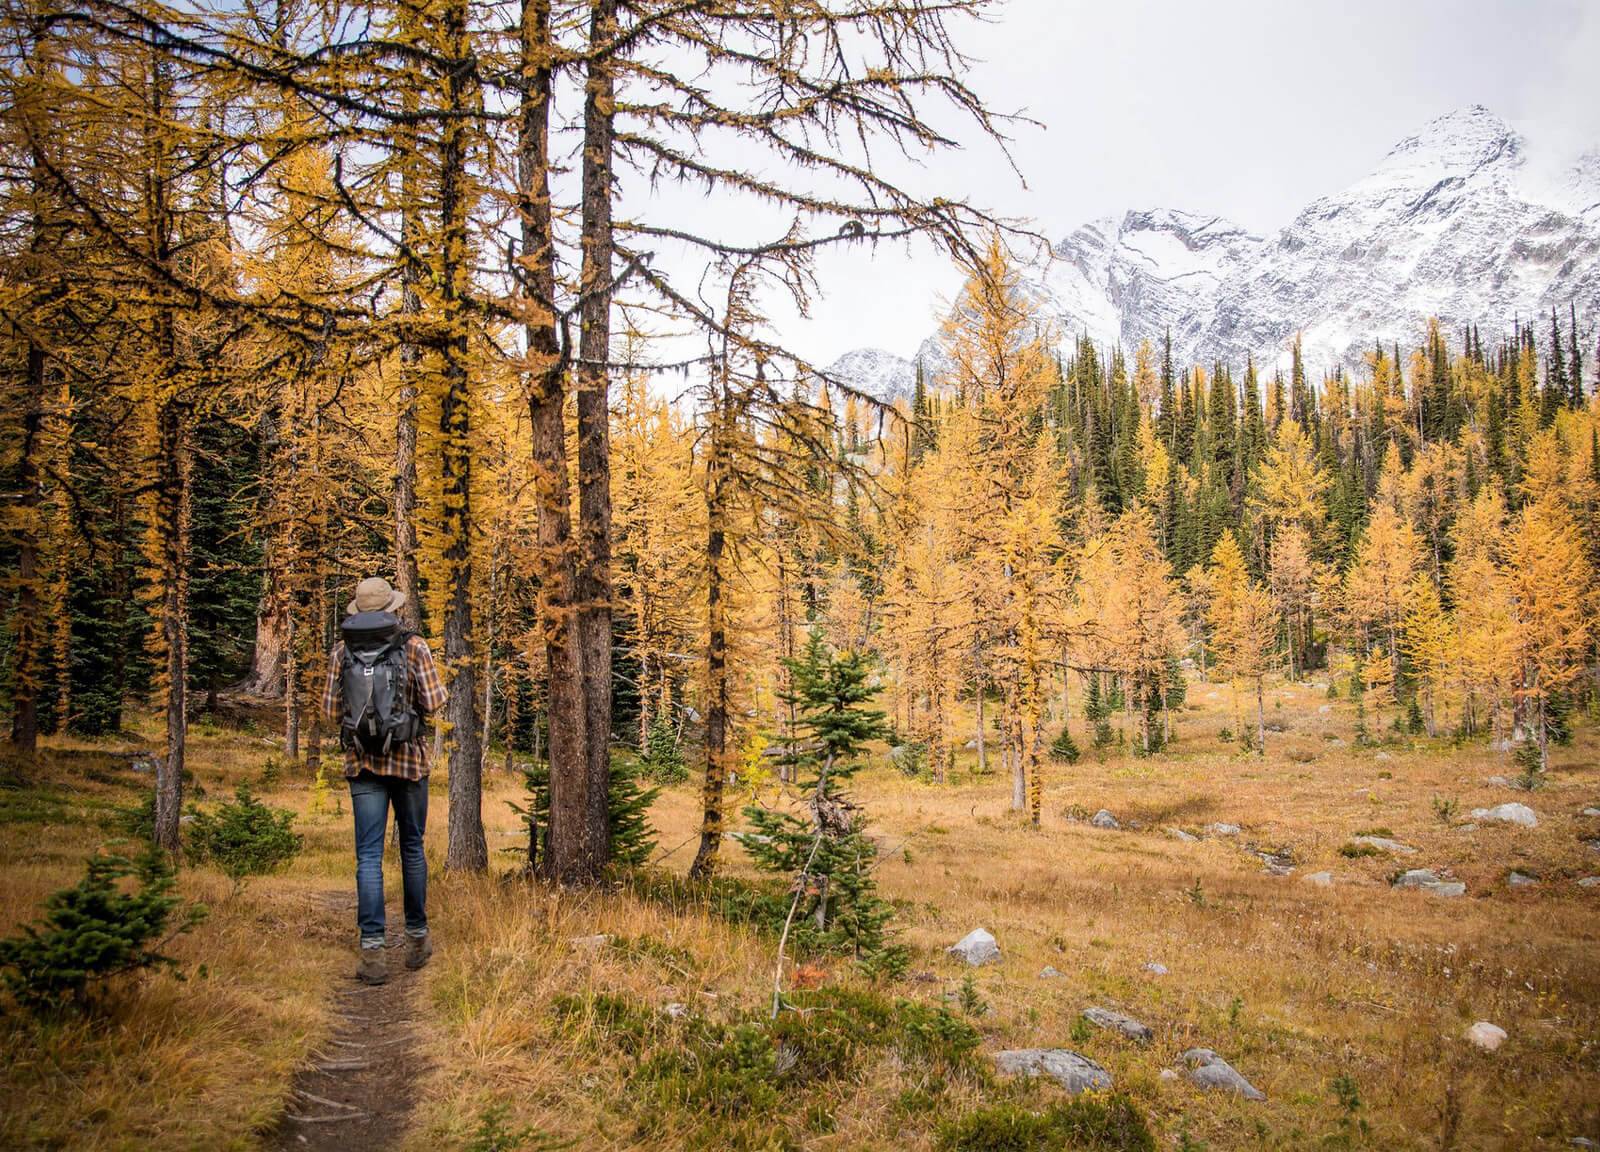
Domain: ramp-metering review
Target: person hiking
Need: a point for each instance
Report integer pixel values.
(382, 687)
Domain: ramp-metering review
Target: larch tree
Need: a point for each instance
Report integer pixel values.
(996, 345)
(1427, 641)
(1387, 557)
(1550, 587)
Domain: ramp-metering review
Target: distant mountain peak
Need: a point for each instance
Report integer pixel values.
(1454, 223)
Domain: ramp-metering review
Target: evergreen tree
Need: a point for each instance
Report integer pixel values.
(1555, 375)
(828, 855)
(1574, 361)
(225, 579)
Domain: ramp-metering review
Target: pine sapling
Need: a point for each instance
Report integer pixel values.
(834, 895)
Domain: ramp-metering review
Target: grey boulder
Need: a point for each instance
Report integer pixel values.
(1223, 829)
(1073, 1072)
(976, 947)
(1117, 1022)
(1519, 814)
(1485, 1036)
(1384, 844)
(1426, 880)
(1212, 1072)
(1104, 819)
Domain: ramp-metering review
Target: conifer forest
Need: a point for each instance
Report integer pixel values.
(1091, 745)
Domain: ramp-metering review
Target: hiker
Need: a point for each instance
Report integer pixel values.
(382, 686)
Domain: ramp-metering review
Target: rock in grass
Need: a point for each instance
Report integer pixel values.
(1048, 972)
(1591, 811)
(1156, 969)
(1589, 882)
(589, 943)
(1485, 1035)
(1223, 829)
(1320, 879)
(1519, 814)
(1384, 844)
(1426, 880)
(1181, 836)
(1117, 1022)
(976, 947)
(1522, 880)
(1104, 819)
(1212, 1072)
(1073, 1072)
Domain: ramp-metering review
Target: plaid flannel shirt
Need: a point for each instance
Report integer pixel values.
(408, 761)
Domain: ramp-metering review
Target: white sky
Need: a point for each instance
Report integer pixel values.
(1246, 108)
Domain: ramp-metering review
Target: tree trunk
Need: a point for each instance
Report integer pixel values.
(1014, 757)
(271, 648)
(466, 848)
(983, 764)
(1261, 720)
(705, 860)
(27, 631)
(405, 450)
(568, 854)
(593, 585)
(172, 524)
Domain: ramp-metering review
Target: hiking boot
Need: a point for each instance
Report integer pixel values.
(418, 949)
(373, 969)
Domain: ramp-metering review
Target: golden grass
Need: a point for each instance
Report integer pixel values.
(1293, 983)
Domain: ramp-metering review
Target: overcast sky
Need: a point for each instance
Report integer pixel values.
(1245, 108)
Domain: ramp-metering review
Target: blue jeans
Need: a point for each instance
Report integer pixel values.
(370, 797)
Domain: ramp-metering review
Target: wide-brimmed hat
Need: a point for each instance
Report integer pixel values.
(374, 595)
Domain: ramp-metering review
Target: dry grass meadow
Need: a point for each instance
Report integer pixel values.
(1344, 1004)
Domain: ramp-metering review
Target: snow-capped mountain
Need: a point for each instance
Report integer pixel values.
(872, 370)
(1456, 222)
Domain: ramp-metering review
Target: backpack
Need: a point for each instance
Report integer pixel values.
(375, 681)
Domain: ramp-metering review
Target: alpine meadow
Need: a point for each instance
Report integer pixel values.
(1161, 711)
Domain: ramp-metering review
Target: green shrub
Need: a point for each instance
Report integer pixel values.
(271, 772)
(911, 757)
(94, 931)
(244, 837)
(1064, 748)
(622, 1023)
(495, 1133)
(754, 1069)
(1106, 1123)
(1353, 851)
(627, 809)
(661, 757)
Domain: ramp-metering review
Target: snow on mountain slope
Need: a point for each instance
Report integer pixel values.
(1449, 225)
(1455, 222)
(880, 373)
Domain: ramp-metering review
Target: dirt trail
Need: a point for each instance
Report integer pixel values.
(358, 1092)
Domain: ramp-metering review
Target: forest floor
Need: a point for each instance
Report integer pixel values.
(544, 1017)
